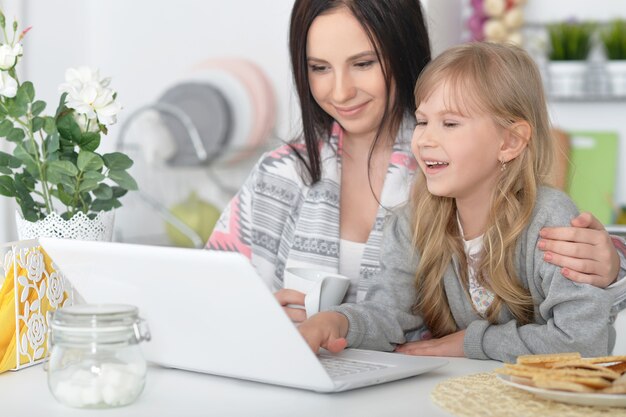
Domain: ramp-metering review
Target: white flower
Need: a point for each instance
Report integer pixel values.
(95, 103)
(88, 94)
(9, 55)
(8, 86)
(78, 78)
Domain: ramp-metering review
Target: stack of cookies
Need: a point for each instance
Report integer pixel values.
(570, 372)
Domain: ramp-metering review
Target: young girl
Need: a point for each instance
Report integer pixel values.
(462, 257)
(322, 200)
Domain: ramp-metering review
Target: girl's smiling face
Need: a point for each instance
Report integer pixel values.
(457, 150)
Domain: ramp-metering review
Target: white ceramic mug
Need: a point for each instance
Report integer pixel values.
(323, 289)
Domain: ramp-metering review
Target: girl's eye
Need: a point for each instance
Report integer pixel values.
(364, 64)
(450, 124)
(421, 123)
(317, 68)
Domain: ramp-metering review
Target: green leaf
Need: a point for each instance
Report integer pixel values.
(7, 186)
(16, 135)
(28, 212)
(119, 191)
(21, 98)
(6, 171)
(66, 198)
(87, 185)
(94, 176)
(49, 125)
(15, 108)
(5, 127)
(89, 161)
(24, 183)
(37, 123)
(37, 107)
(51, 144)
(103, 192)
(69, 183)
(56, 170)
(27, 160)
(116, 161)
(68, 128)
(89, 141)
(123, 179)
(28, 89)
(61, 108)
(86, 197)
(8, 160)
(66, 149)
(103, 205)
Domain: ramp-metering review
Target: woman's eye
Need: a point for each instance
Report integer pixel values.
(317, 68)
(450, 124)
(421, 123)
(364, 64)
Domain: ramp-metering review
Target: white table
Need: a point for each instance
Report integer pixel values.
(177, 393)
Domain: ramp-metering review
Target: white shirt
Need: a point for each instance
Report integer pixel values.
(481, 297)
(350, 254)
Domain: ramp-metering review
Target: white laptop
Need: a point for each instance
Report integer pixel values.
(210, 312)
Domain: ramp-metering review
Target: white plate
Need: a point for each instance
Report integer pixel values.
(580, 398)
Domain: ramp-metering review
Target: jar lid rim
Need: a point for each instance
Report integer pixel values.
(82, 310)
(95, 317)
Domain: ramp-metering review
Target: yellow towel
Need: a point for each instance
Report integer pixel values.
(8, 337)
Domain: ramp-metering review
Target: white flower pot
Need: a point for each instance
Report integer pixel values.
(617, 74)
(567, 78)
(79, 227)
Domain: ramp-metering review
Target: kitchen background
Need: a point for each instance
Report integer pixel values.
(150, 46)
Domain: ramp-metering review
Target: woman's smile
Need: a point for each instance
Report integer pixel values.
(351, 111)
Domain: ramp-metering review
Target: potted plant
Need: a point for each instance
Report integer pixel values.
(569, 46)
(614, 39)
(53, 170)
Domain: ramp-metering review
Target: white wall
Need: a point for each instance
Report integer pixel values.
(145, 44)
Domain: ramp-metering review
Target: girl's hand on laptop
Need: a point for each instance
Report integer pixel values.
(325, 330)
(288, 298)
(450, 345)
(585, 251)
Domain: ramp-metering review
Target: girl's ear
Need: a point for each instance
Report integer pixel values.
(516, 138)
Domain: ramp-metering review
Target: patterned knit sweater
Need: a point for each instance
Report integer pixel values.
(279, 221)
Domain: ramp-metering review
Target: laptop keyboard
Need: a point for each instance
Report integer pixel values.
(341, 367)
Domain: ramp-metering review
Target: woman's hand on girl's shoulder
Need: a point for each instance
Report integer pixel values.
(450, 345)
(584, 251)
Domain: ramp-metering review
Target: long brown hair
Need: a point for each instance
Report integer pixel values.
(503, 82)
(398, 33)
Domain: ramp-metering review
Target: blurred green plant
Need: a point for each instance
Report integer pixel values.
(570, 41)
(614, 39)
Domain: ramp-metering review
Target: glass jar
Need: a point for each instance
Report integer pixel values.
(95, 360)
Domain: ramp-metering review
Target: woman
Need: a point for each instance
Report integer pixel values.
(322, 200)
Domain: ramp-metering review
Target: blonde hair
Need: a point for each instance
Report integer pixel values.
(503, 82)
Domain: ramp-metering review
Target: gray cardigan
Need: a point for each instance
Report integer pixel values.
(569, 317)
